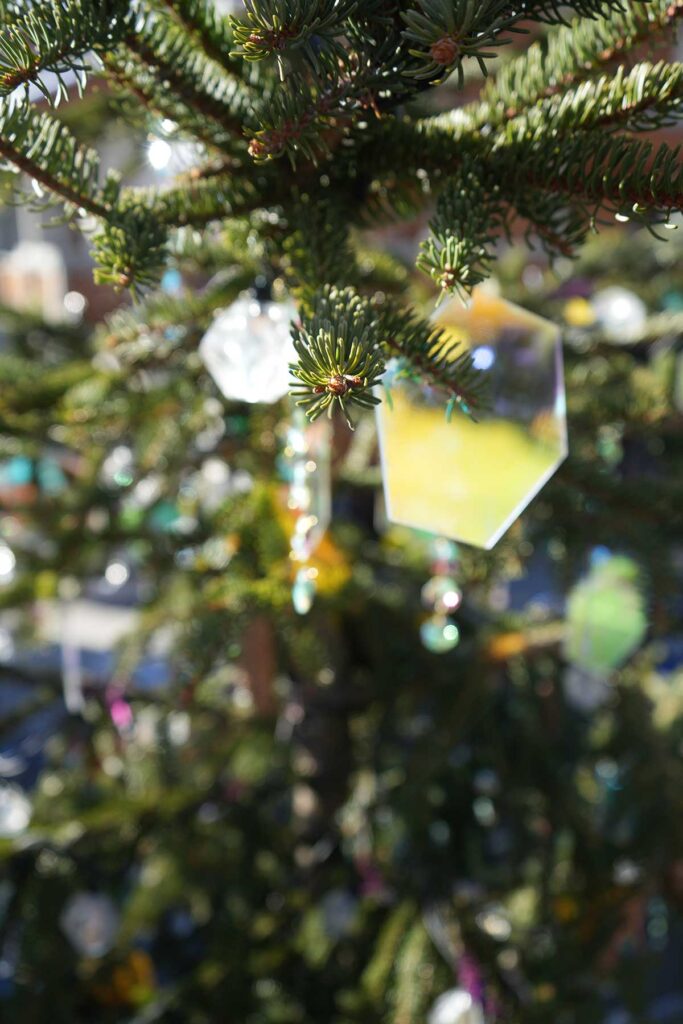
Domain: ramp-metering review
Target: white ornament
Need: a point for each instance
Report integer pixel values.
(90, 922)
(619, 312)
(15, 811)
(455, 1007)
(248, 349)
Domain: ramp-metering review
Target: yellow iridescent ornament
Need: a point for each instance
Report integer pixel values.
(470, 480)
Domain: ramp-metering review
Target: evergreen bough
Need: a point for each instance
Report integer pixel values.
(319, 107)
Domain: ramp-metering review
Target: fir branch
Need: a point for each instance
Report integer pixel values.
(441, 33)
(45, 149)
(312, 29)
(317, 251)
(646, 97)
(598, 170)
(435, 357)
(559, 224)
(472, 211)
(567, 56)
(556, 12)
(130, 249)
(310, 117)
(54, 37)
(201, 201)
(340, 360)
(342, 345)
(457, 255)
(198, 82)
(293, 123)
(211, 30)
(136, 79)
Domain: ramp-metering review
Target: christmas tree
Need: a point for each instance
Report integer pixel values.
(277, 805)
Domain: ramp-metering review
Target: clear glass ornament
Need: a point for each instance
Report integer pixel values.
(470, 480)
(248, 349)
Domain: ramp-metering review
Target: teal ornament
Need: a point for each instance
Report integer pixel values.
(606, 618)
(172, 281)
(16, 472)
(163, 516)
(672, 302)
(439, 634)
(303, 592)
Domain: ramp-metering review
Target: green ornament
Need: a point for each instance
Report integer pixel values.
(606, 618)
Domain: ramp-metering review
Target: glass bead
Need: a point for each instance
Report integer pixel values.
(248, 348)
(446, 556)
(442, 594)
(470, 480)
(439, 634)
(303, 592)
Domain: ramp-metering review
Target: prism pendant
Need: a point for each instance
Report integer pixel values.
(471, 480)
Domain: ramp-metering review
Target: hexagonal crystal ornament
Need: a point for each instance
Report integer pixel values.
(248, 348)
(470, 480)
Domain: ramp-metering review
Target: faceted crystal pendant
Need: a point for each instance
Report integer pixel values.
(470, 480)
(248, 348)
(309, 499)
